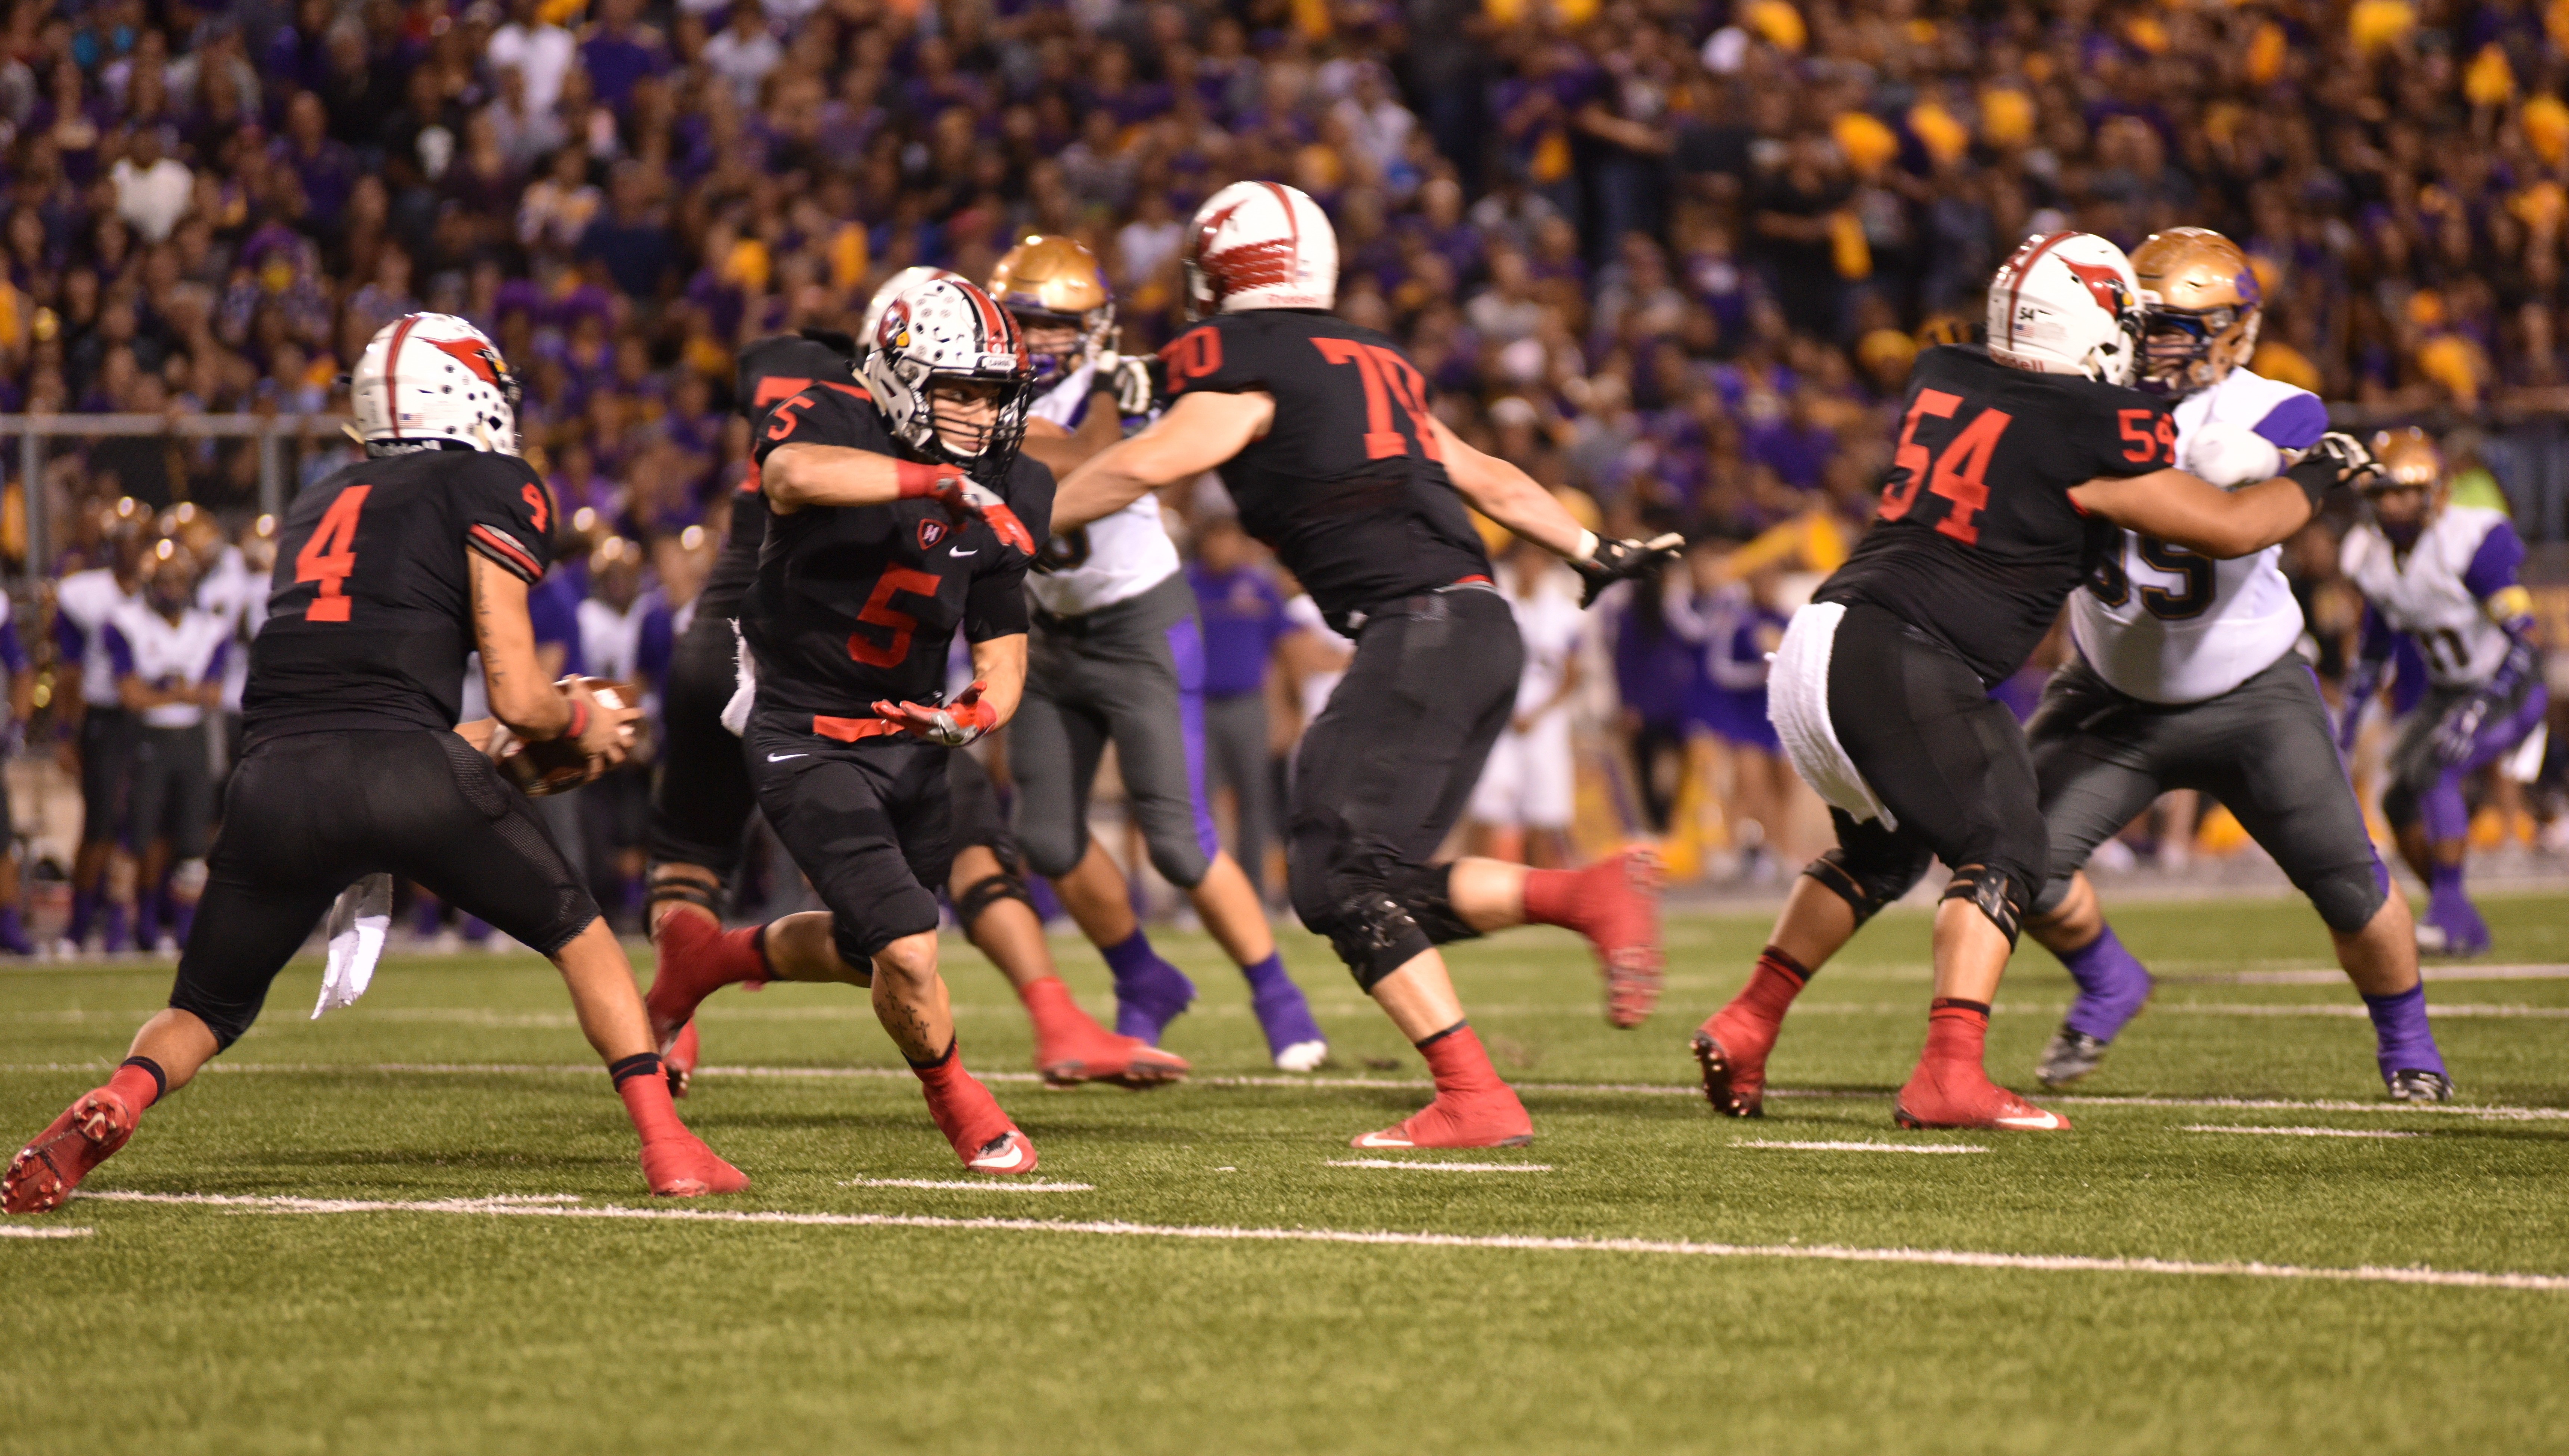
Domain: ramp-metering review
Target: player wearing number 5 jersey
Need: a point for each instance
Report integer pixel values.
(2443, 575)
(1323, 433)
(2014, 466)
(2187, 678)
(900, 511)
(389, 574)
(1116, 656)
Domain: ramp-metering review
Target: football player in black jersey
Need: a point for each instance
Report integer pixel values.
(2014, 467)
(1323, 433)
(899, 509)
(702, 796)
(389, 572)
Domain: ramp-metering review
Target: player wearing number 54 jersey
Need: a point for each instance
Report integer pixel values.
(2187, 678)
(2014, 467)
(898, 510)
(389, 572)
(1323, 433)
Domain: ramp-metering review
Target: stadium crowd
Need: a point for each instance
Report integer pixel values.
(1677, 259)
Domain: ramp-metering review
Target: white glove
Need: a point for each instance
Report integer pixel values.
(2227, 455)
(1130, 379)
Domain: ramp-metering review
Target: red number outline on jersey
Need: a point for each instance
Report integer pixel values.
(877, 611)
(782, 422)
(2146, 444)
(1388, 380)
(1195, 354)
(331, 554)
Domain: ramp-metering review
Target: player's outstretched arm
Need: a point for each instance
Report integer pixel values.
(1200, 432)
(2182, 509)
(522, 696)
(1511, 497)
(800, 474)
(1000, 665)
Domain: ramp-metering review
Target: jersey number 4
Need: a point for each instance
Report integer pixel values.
(331, 556)
(1960, 475)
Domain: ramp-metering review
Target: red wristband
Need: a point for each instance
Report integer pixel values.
(918, 479)
(578, 719)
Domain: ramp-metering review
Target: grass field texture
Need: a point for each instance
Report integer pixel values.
(1644, 1278)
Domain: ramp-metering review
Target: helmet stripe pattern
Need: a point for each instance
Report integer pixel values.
(392, 362)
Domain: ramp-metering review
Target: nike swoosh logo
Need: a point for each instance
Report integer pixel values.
(975, 551)
(1014, 1159)
(2044, 1122)
(782, 757)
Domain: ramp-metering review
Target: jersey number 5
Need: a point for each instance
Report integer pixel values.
(877, 611)
(1960, 475)
(331, 556)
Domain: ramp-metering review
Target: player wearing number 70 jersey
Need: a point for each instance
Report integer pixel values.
(2014, 468)
(2187, 678)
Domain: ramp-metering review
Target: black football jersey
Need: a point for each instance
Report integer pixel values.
(771, 372)
(1348, 486)
(853, 605)
(370, 609)
(1976, 540)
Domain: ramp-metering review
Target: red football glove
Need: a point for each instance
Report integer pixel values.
(952, 724)
(962, 496)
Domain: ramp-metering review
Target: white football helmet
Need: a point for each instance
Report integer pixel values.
(892, 287)
(2068, 304)
(430, 380)
(948, 329)
(1259, 244)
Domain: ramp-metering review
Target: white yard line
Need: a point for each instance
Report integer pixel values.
(980, 1185)
(2302, 1132)
(2495, 1112)
(1803, 1147)
(42, 1231)
(1441, 1167)
(1512, 1242)
(2335, 977)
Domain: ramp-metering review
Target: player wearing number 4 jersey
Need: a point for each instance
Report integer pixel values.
(900, 511)
(1116, 656)
(2014, 468)
(2187, 678)
(389, 572)
(1324, 436)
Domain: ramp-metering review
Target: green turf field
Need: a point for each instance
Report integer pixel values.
(933, 1319)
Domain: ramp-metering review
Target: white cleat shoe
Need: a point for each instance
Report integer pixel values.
(1302, 1057)
(1007, 1153)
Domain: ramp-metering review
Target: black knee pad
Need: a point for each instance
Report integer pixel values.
(1868, 883)
(1995, 891)
(706, 895)
(2348, 895)
(1425, 891)
(1374, 935)
(986, 892)
(226, 1011)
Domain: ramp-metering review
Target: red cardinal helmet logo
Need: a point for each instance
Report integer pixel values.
(2103, 283)
(473, 355)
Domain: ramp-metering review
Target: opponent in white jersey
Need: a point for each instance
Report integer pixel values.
(168, 655)
(1116, 655)
(108, 735)
(1527, 787)
(2187, 678)
(2445, 578)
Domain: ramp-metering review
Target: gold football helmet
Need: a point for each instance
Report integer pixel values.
(2408, 490)
(1054, 283)
(2203, 306)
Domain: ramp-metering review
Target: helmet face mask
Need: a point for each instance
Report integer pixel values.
(1056, 290)
(431, 381)
(948, 369)
(2203, 306)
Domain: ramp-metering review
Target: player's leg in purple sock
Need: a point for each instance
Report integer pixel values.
(2112, 985)
(2403, 1041)
(1149, 992)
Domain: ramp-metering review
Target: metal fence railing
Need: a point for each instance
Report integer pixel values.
(273, 434)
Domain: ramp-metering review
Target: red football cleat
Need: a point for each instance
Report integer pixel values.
(1488, 1119)
(679, 1063)
(46, 1170)
(981, 1134)
(1094, 1054)
(698, 958)
(681, 1166)
(1961, 1094)
(1730, 1048)
(1616, 906)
